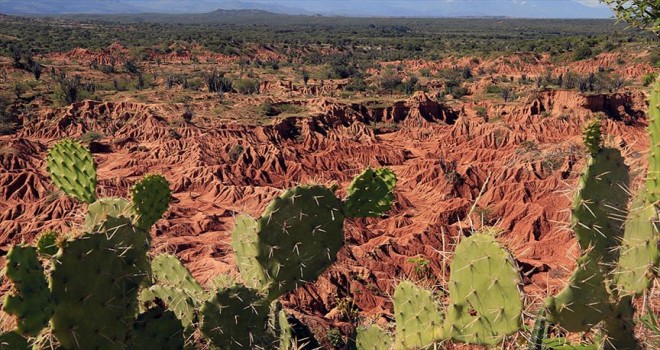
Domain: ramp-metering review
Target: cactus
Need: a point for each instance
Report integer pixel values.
(485, 302)
(71, 169)
(175, 299)
(653, 176)
(150, 198)
(94, 282)
(600, 205)
(47, 243)
(592, 137)
(168, 270)
(619, 328)
(418, 320)
(539, 332)
(13, 341)
(371, 193)
(639, 249)
(103, 208)
(245, 243)
(283, 329)
(30, 300)
(584, 301)
(236, 318)
(300, 234)
(373, 338)
(157, 328)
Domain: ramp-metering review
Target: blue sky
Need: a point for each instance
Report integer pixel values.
(426, 8)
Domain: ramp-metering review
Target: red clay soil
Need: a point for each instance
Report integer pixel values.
(530, 156)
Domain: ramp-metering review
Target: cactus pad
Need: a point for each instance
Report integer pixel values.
(592, 136)
(94, 282)
(103, 208)
(373, 338)
(244, 242)
(47, 243)
(371, 193)
(653, 177)
(600, 205)
(418, 320)
(638, 254)
(573, 308)
(157, 328)
(619, 327)
(30, 300)
(284, 329)
(72, 170)
(299, 233)
(175, 299)
(485, 300)
(236, 318)
(151, 198)
(168, 270)
(13, 341)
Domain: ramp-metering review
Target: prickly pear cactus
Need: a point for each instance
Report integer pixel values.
(150, 198)
(47, 243)
(619, 328)
(574, 309)
(94, 283)
(72, 170)
(299, 233)
(538, 333)
(284, 331)
(373, 338)
(653, 176)
(157, 328)
(175, 299)
(600, 205)
(103, 208)
(168, 270)
(29, 300)
(638, 254)
(371, 193)
(245, 243)
(592, 136)
(13, 341)
(236, 318)
(418, 320)
(485, 300)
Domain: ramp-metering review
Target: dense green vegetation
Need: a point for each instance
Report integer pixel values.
(309, 38)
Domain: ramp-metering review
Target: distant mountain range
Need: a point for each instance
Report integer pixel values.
(357, 8)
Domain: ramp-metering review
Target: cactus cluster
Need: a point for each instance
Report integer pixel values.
(102, 291)
(484, 301)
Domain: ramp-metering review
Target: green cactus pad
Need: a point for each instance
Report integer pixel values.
(175, 299)
(168, 270)
(373, 338)
(284, 329)
(539, 332)
(653, 177)
(592, 136)
(485, 300)
(371, 193)
(157, 328)
(600, 205)
(245, 243)
(619, 328)
(94, 283)
(13, 341)
(638, 254)
(72, 170)
(299, 234)
(418, 320)
(29, 300)
(47, 243)
(103, 208)
(151, 198)
(584, 301)
(236, 318)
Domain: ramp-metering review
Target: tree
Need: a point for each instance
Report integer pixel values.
(643, 14)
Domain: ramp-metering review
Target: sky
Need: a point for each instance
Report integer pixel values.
(408, 8)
